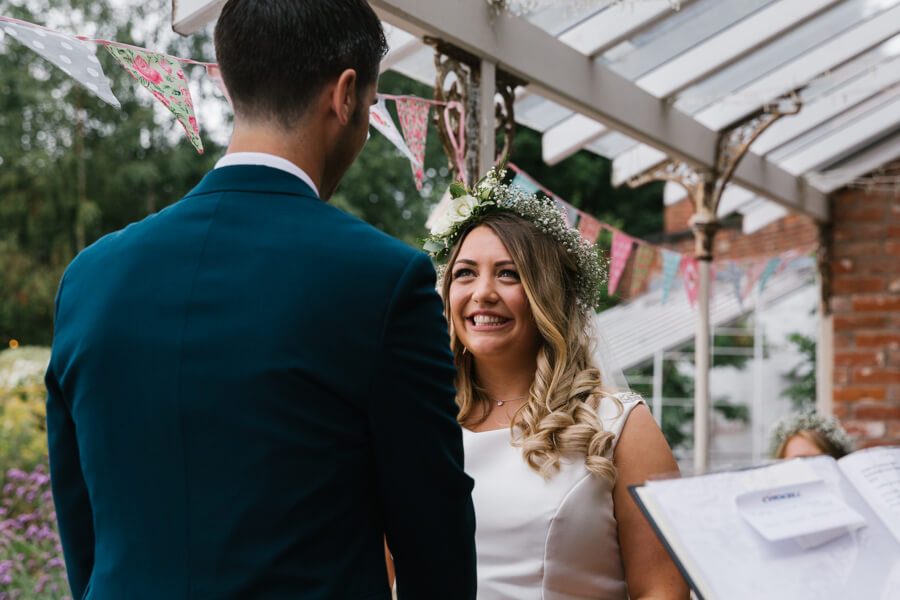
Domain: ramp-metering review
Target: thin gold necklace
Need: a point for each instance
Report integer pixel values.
(502, 402)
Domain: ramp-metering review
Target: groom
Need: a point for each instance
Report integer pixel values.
(251, 390)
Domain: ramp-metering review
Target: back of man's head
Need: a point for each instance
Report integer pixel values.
(277, 55)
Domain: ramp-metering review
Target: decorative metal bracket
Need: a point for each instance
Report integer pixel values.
(705, 188)
(464, 89)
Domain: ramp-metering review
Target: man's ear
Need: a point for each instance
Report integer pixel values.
(344, 99)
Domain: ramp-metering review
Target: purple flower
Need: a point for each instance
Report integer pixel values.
(16, 475)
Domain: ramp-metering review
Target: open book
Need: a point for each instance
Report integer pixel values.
(804, 528)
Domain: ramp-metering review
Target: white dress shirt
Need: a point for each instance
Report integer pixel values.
(266, 160)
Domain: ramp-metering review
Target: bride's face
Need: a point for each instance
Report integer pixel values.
(490, 311)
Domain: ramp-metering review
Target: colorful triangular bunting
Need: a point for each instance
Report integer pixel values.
(413, 116)
(671, 263)
(589, 228)
(621, 250)
(691, 274)
(770, 269)
(642, 261)
(380, 119)
(164, 78)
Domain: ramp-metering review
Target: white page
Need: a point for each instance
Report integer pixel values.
(876, 474)
(733, 562)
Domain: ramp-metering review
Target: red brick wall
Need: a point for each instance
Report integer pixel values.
(793, 231)
(865, 249)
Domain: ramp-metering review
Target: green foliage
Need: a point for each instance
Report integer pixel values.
(73, 168)
(802, 378)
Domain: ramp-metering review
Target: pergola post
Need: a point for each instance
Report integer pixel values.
(705, 189)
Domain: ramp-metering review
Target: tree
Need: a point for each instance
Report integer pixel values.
(73, 168)
(802, 378)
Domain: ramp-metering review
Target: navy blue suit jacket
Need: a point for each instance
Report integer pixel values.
(247, 391)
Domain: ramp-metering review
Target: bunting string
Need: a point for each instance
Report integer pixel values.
(752, 271)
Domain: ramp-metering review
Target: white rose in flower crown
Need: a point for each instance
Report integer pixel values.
(460, 209)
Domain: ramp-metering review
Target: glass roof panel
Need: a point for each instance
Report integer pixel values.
(857, 134)
(846, 119)
(555, 20)
(677, 33)
(612, 144)
(539, 113)
(777, 53)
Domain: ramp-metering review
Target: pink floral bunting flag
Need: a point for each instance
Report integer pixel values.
(621, 250)
(691, 274)
(589, 227)
(413, 116)
(164, 78)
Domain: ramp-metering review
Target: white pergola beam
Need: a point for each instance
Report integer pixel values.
(881, 154)
(762, 215)
(402, 45)
(190, 15)
(802, 69)
(730, 45)
(562, 74)
(615, 24)
(568, 137)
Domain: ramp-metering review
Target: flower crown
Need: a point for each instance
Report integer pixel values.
(491, 194)
(827, 426)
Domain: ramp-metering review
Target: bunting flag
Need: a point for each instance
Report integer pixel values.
(380, 119)
(691, 274)
(643, 259)
(413, 116)
(571, 213)
(770, 269)
(589, 228)
(70, 55)
(753, 273)
(213, 72)
(671, 263)
(525, 184)
(787, 258)
(164, 78)
(733, 273)
(621, 250)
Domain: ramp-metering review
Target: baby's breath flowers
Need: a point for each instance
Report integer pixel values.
(491, 194)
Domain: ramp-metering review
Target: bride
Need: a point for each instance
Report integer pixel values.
(552, 450)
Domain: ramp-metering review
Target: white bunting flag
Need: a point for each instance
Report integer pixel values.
(380, 119)
(70, 55)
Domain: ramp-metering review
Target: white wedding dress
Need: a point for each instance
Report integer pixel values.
(552, 539)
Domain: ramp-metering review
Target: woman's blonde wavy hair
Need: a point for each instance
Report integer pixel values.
(560, 414)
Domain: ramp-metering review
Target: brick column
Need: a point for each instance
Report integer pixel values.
(866, 306)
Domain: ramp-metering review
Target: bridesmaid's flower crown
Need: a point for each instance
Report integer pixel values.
(809, 421)
(491, 194)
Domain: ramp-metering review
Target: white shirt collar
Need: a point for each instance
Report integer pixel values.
(266, 160)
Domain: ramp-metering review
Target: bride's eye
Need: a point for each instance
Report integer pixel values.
(509, 273)
(463, 273)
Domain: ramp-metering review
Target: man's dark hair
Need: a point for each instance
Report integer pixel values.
(276, 55)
